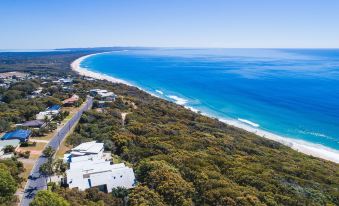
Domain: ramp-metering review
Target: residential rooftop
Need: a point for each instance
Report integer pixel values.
(12, 142)
(33, 123)
(88, 148)
(19, 134)
(54, 107)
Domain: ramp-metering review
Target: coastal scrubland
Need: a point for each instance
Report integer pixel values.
(181, 157)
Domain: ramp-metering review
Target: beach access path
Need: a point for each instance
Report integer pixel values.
(37, 181)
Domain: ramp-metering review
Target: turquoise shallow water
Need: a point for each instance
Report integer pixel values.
(290, 92)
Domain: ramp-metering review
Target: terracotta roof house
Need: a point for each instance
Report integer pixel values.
(72, 100)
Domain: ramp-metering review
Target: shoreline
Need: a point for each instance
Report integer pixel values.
(75, 66)
(302, 146)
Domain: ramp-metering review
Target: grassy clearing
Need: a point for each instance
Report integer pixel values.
(62, 150)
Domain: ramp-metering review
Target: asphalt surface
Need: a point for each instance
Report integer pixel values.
(38, 181)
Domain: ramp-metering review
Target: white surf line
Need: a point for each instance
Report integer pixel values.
(178, 100)
(308, 148)
(160, 92)
(248, 122)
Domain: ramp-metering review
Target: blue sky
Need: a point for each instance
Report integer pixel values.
(45, 24)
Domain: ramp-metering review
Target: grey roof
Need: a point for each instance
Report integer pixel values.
(33, 123)
(13, 142)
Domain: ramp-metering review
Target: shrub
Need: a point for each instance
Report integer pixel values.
(9, 149)
(48, 198)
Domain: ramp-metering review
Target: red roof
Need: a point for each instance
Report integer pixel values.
(73, 99)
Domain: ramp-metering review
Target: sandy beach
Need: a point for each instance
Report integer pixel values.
(75, 65)
(308, 148)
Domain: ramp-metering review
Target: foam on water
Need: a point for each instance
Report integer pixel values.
(159, 91)
(292, 95)
(178, 100)
(248, 122)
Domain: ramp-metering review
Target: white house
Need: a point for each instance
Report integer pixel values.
(46, 115)
(85, 151)
(38, 91)
(65, 80)
(4, 143)
(103, 94)
(49, 113)
(88, 168)
(101, 174)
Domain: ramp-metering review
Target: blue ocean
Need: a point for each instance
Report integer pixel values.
(289, 92)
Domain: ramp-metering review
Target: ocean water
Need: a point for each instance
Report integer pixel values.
(289, 92)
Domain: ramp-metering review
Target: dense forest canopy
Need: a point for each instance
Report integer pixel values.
(57, 61)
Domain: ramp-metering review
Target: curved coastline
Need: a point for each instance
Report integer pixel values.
(305, 147)
(75, 65)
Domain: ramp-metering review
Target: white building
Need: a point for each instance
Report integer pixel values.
(85, 151)
(4, 143)
(89, 168)
(103, 94)
(46, 115)
(38, 91)
(65, 80)
(49, 113)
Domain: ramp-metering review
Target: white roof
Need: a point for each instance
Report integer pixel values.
(81, 162)
(98, 90)
(88, 168)
(97, 172)
(65, 80)
(12, 142)
(107, 94)
(88, 147)
(48, 114)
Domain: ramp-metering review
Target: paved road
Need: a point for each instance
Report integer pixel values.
(37, 181)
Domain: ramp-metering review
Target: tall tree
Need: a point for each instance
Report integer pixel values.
(48, 198)
(142, 195)
(8, 185)
(48, 152)
(166, 181)
(47, 168)
(121, 193)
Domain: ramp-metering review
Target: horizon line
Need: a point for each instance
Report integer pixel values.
(167, 47)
